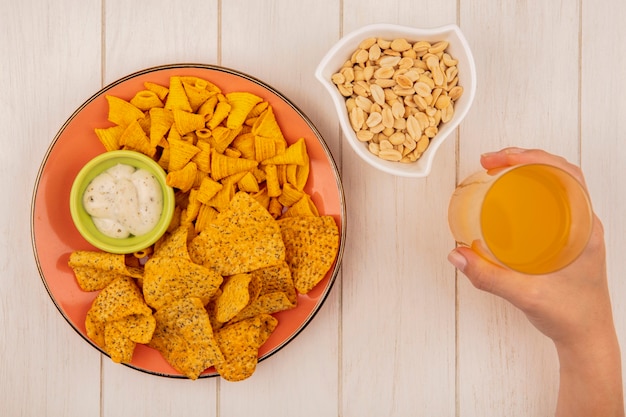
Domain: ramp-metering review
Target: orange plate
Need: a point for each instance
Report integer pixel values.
(54, 236)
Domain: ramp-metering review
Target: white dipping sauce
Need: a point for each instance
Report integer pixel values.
(124, 201)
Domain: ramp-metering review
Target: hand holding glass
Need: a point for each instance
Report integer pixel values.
(532, 218)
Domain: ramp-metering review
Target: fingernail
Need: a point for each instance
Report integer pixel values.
(514, 150)
(458, 260)
(506, 151)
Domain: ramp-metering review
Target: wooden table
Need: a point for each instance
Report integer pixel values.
(401, 334)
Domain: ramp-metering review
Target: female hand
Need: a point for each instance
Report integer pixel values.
(571, 306)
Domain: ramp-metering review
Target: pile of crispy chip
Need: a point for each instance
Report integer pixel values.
(245, 238)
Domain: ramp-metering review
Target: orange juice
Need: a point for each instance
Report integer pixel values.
(532, 218)
(525, 218)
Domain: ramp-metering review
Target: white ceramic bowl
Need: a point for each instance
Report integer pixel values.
(458, 48)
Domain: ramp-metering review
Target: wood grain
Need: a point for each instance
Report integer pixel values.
(602, 132)
(44, 364)
(503, 363)
(401, 333)
(398, 309)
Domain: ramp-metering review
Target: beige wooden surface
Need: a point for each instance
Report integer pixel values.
(401, 334)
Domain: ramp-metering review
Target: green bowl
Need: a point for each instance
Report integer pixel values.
(85, 225)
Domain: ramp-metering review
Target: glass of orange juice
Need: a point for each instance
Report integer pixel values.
(532, 218)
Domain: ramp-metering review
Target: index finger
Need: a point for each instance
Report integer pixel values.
(517, 156)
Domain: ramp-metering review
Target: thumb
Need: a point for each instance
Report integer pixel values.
(487, 276)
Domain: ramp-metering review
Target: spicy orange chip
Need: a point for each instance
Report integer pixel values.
(277, 279)
(174, 245)
(110, 136)
(223, 197)
(202, 158)
(222, 109)
(95, 270)
(290, 195)
(208, 189)
(159, 90)
(266, 125)
(184, 178)
(145, 100)
(184, 336)
(295, 154)
(277, 292)
(311, 246)
(248, 183)
(302, 174)
(244, 143)
(117, 316)
(119, 299)
(243, 238)
(94, 328)
(239, 343)
(161, 121)
(301, 208)
(197, 92)
(242, 104)
(187, 122)
(266, 304)
(271, 181)
(121, 112)
(235, 296)
(169, 279)
(135, 138)
(223, 166)
(206, 215)
(264, 148)
(181, 153)
(137, 327)
(177, 97)
(119, 347)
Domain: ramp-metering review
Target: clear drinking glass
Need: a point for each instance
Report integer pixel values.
(533, 218)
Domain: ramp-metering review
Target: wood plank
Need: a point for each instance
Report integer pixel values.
(142, 34)
(602, 131)
(43, 361)
(128, 392)
(527, 60)
(148, 33)
(398, 310)
(505, 365)
(285, 55)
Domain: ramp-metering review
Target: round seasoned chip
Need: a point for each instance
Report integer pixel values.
(239, 343)
(243, 238)
(169, 279)
(235, 296)
(311, 246)
(184, 336)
